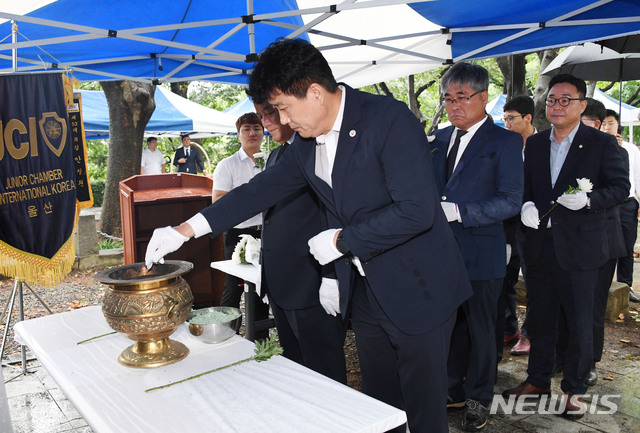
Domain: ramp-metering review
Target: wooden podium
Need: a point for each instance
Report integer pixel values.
(151, 201)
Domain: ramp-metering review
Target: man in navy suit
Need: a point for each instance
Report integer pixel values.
(309, 329)
(478, 169)
(400, 272)
(187, 157)
(566, 237)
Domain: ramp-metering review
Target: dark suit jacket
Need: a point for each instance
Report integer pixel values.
(487, 186)
(579, 237)
(290, 274)
(192, 160)
(385, 200)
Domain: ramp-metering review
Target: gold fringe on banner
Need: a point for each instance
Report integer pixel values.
(38, 270)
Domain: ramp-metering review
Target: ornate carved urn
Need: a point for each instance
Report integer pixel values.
(148, 306)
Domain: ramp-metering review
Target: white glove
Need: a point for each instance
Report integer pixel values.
(529, 215)
(451, 211)
(508, 253)
(330, 296)
(573, 201)
(165, 240)
(322, 247)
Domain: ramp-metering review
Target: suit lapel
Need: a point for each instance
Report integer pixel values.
(439, 151)
(474, 146)
(347, 142)
(307, 151)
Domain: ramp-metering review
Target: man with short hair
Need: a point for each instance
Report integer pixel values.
(309, 329)
(230, 173)
(478, 171)
(186, 157)
(401, 275)
(565, 241)
(518, 117)
(152, 161)
(628, 209)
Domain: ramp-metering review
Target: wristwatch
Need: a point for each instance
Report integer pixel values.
(341, 245)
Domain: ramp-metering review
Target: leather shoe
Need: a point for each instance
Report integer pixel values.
(574, 408)
(525, 388)
(455, 405)
(632, 296)
(510, 338)
(592, 377)
(522, 347)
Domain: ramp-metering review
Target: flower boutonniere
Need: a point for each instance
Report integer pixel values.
(260, 159)
(584, 185)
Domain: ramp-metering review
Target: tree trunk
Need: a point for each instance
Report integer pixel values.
(180, 88)
(591, 88)
(130, 107)
(540, 95)
(514, 71)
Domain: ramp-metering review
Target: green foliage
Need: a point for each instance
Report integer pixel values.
(215, 95)
(109, 244)
(97, 186)
(98, 155)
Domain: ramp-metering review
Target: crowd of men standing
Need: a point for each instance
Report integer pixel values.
(402, 236)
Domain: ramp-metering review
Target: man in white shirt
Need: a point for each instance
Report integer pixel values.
(152, 159)
(628, 209)
(230, 173)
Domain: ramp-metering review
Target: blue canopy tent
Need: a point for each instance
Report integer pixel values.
(173, 115)
(365, 42)
(239, 108)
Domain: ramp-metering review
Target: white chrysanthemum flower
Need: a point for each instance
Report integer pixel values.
(236, 257)
(584, 184)
(430, 138)
(258, 155)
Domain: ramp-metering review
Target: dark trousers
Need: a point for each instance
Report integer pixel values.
(403, 370)
(551, 288)
(506, 320)
(471, 366)
(600, 298)
(629, 222)
(312, 338)
(234, 286)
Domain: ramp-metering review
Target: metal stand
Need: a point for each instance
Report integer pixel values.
(17, 289)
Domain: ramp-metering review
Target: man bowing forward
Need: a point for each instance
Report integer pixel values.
(399, 269)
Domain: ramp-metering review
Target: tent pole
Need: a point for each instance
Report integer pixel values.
(14, 51)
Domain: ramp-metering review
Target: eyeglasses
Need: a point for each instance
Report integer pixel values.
(461, 99)
(509, 119)
(564, 101)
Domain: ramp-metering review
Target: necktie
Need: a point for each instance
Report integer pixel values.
(186, 151)
(453, 153)
(322, 169)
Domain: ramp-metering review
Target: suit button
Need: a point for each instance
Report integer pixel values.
(347, 262)
(551, 202)
(266, 222)
(443, 198)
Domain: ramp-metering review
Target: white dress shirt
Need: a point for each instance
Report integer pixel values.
(634, 168)
(232, 172)
(152, 161)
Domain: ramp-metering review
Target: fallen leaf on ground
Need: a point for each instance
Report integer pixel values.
(76, 304)
(624, 340)
(608, 376)
(613, 351)
(621, 316)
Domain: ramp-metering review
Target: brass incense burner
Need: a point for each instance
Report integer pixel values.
(148, 306)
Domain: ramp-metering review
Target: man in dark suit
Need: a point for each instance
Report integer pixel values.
(566, 241)
(478, 170)
(398, 265)
(187, 157)
(311, 334)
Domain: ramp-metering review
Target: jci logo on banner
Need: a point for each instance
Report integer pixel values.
(555, 404)
(53, 130)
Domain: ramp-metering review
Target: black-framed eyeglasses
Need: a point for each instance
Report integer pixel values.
(509, 119)
(461, 99)
(563, 101)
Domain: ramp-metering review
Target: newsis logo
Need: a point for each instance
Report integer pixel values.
(555, 404)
